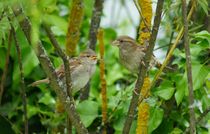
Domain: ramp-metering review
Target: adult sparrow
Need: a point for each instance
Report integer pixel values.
(131, 53)
(82, 68)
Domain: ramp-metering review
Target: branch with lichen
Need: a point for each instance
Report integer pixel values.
(55, 83)
(143, 109)
(146, 17)
(143, 69)
(103, 80)
(75, 20)
(143, 39)
(170, 53)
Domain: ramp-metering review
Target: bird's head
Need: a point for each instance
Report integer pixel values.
(122, 40)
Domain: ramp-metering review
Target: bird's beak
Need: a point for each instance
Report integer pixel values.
(116, 43)
(94, 57)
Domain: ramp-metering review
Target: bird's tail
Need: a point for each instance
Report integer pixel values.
(43, 81)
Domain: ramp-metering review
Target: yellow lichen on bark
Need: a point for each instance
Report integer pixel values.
(143, 109)
(143, 116)
(144, 91)
(75, 20)
(102, 79)
(143, 39)
(145, 25)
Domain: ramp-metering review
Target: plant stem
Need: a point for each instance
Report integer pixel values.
(189, 69)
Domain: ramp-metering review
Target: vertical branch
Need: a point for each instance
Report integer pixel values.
(4, 75)
(189, 68)
(143, 69)
(75, 20)
(103, 81)
(95, 22)
(23, 92)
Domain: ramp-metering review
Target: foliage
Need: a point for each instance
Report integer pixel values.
(168, 101)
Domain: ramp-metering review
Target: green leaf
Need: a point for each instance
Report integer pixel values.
(203, 35)
(47, 99)
(199, 73)
(165, 90)
(181, 86)
(88, 111)
(3, 57)
(57, 21)
(32, 110)
(156, 117)
(204, 5)
(176, 131)
(208, 81)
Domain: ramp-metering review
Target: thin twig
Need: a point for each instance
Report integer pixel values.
(4, 75)
(189, 69)
(199, 119)
(23, 92)
(143, 69)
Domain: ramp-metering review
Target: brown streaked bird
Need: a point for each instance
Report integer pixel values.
(82, 68)
(131, 53)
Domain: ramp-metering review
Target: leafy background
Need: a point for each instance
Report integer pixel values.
(169, 98)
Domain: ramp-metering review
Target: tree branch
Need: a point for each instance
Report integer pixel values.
(54, 80)
(143, 69)
(189, 68)
(4, 75)
(23, 92)
(95, 23)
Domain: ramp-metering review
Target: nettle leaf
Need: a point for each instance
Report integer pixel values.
(88, 111)
(156, 117)
(165, 90)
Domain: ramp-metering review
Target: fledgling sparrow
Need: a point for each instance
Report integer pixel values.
(131, 54)
(82, 68)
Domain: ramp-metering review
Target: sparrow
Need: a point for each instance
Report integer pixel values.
(131, 54)
(82, 69)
